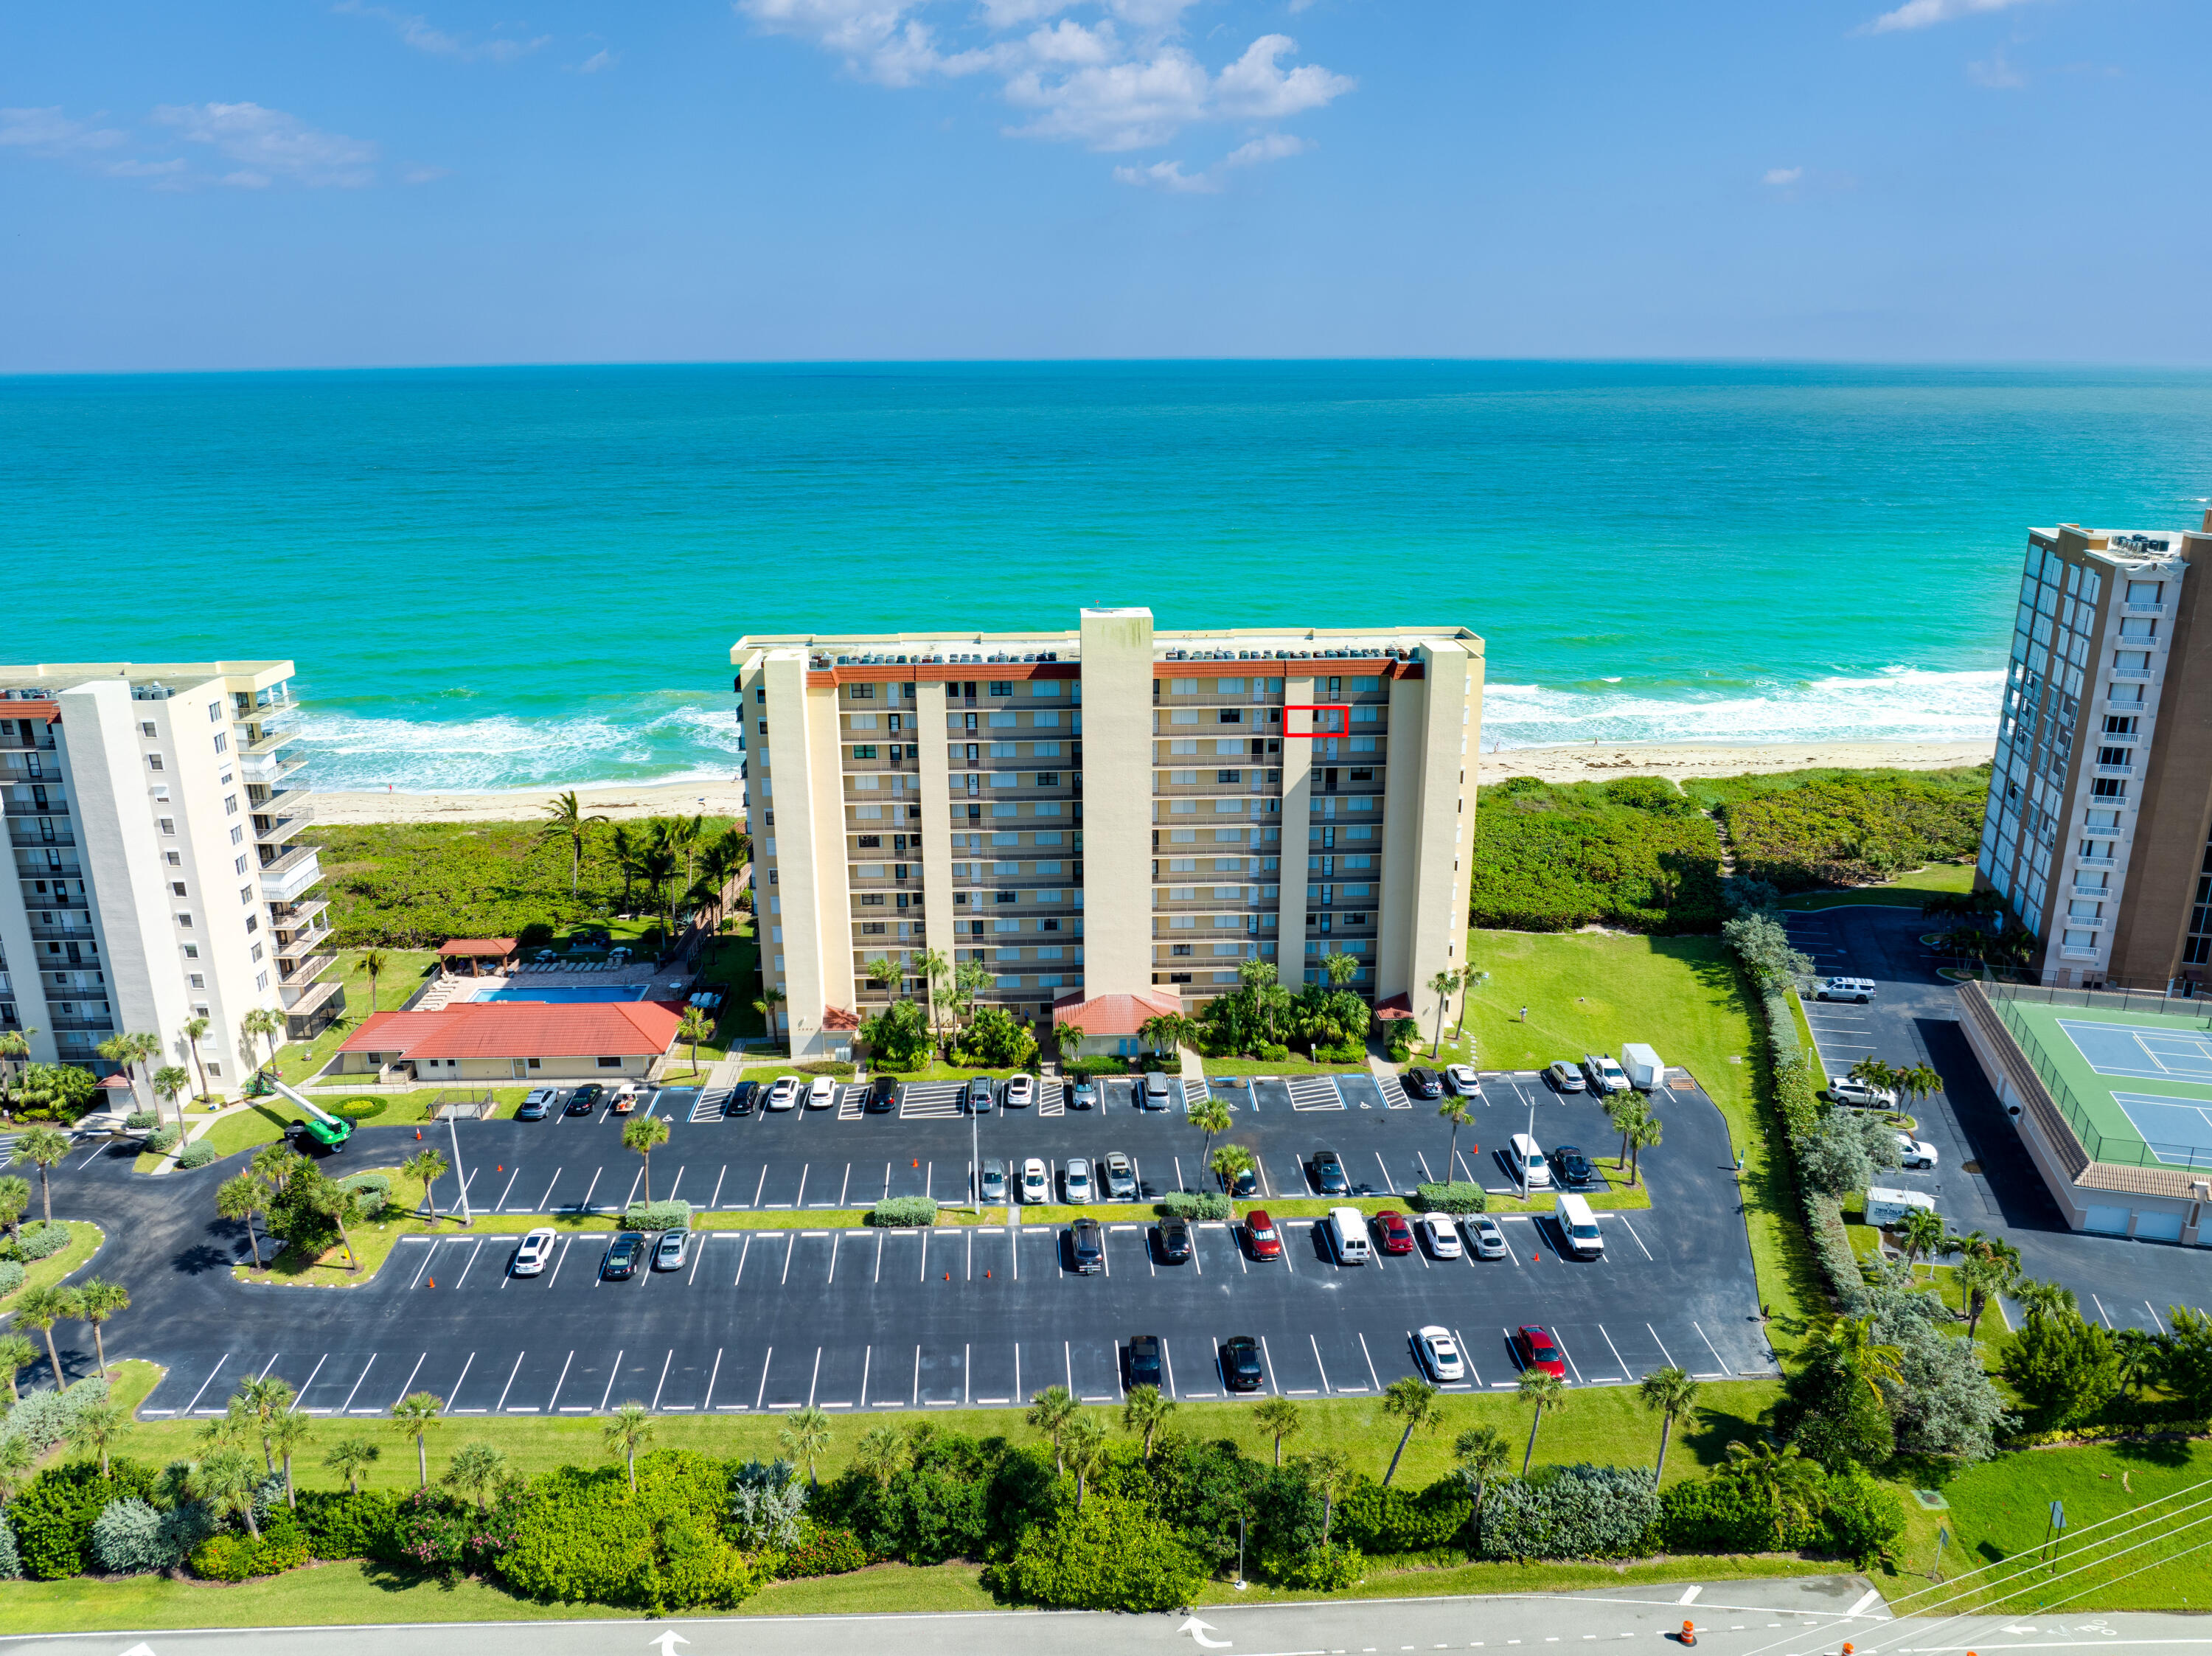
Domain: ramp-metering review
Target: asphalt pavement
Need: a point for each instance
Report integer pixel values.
(1983, 1179)
(772, 1319)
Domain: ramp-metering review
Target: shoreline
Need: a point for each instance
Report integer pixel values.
(1595, 761)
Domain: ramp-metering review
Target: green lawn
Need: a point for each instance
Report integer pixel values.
(1293, 1065)
(405, 970)
(1590, 992)
(84, 1241)
(1905, 891)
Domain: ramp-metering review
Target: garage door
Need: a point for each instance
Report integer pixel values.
(2158, 1227)
(2112, 1222)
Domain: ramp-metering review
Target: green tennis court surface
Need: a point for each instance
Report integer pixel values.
(2144, 1080)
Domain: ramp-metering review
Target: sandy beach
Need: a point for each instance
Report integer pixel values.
(1580, 763)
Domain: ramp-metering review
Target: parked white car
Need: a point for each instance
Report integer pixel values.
(1605, 1076)
(1915, 1152)
(1846, 1091)
(1440, 1353)
(1036, 1180)
(1077, 1176)
(1021, 1092)
(531, 1253)
(1437, 1231)
(822, 1094)
(784, 1094)
(1463, 1081)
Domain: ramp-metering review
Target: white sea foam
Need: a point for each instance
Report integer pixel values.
(651, 745)
(1900, 705)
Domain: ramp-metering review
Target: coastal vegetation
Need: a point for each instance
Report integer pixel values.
(1799, 830)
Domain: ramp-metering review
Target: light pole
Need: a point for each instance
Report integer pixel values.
(453, 1124)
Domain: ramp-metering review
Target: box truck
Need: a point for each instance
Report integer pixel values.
(1645, 1072)
(1887, 1207)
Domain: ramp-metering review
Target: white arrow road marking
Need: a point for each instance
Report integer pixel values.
(667, 1641)
(1198, 1629)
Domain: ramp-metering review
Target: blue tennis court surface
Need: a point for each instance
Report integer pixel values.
(2142, 1054)
(2176, 1130)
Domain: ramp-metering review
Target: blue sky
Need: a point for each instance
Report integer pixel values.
(282, 185)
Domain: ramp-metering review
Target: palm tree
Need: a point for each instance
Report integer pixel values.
(1790, 1480)
(881, 1453)
(1983, 1278)
(1623, 1110)
(771, 998)
(1667, 1393)
(372, 962)
(41, 1308)
(262, 1023)
(288, 1433)
(805, 1439)
(1545, 1392)
(1922, 1229)
(17, 1353)
(194, 1032)
(1850, 1345)
(476, 1466)
(1084, 1443)
(1454, 1110)
(695, 1026)
(1339, 969)
(15, 1048)
(1415, 1401)
(1326, 1475)
(98, 1300)
(2045, 1298)
(1443, 986)
(255, 1408)
(334, 1201)
(349, 1457)
(15, 1197)
(1228, 1162)
(1169, 1030)
(44, 1146)
(1920, 1081)
(226, 1483)
(417, 1416)
(1480, 1450)
(657, 867)
(1278, 1416)
(98, 1428)
(1211, 1116)
(885, 973)
(567, 821)
(1644, 1134)
(276, 1165)
(122, 1051)
(2140, 1353)
(169, 1082)
(1147, 1410)
(643, 1136)
(1050, 1410)
(934, 969)
(426, 1167)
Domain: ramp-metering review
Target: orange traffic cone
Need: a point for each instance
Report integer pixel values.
(1688, 1635)
(433, 1282)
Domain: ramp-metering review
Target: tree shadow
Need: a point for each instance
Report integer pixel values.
(2153, 1451)
(1708, 1433)
(200, 1259)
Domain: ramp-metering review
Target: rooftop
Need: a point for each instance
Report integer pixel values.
(50, 677)
(522, 1029)
(1257, 644)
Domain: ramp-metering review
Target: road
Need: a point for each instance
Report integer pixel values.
(1983, 1179)
(1805, 1615)
(772, 1319)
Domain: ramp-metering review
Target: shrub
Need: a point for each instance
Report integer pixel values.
(824, 1552)
(536, 935)
(585, 1536)
(903, 1210)
(657, 1216)
(371, 1190)
(1271, 1052)
(44, 1418)
(198, 1154)
(1196, 1205)
(1631, 852)
(431, 1532)
(126, 1539)
(359, 1109)
(1316, 1569)
(344, 1526)
(11, 1278)
(55, 1513)
(41, 1241)
(11, 1566)
(1113, 1554)
(140, 1120)
(225, 1558)
(2063, 1369)
(1456, 1197)
(1845, 828)
(1352, 1052)
(1728, 1514)
(1571, 1511)
(1864, 1520)
(1378, 1520)
(163, 1140)
(834, 1068)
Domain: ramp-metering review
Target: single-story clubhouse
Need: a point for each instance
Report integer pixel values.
(514, 1040)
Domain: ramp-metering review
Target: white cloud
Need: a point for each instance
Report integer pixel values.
(269, 144)
(1926, 13)
(1116, 81)
(420, 33)
(52, 135)
(1270, 147)
(424, 174)
(1996, 71)
(1169, 176)
(601, 59)
(1783, 177)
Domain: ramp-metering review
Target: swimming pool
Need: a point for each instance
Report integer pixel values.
(572, 996)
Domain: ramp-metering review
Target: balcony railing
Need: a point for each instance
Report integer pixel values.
(276, 868)
(61, 933)
(2131, 675)
(68, 870)
(105, 1024)
(21, 841)
(275, 830)
(31, 807)
(307, 971)
(293, 917)
(267, 742)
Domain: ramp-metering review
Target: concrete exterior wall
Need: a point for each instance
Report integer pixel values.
(936, 859)
(800, 793)
(1427, 822)
(502, 1072)
(1117, 767)
(1298, 816)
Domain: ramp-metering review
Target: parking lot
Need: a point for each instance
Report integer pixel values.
(765, 1318)
(1983, 1179)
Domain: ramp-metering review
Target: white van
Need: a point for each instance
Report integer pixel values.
(1578, 1228)
(1528, 1163)
(1347, 1235)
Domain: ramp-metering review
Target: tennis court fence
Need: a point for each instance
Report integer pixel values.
(2006, 999)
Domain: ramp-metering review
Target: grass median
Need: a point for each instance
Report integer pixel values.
(84, 1241)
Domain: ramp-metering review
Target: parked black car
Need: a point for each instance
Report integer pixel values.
(1086, 1246)
(1328, 1174)
(1240, 1364)
(586, 1098)
(1424, 1083)
(743, 1097)
(1246, 1184)
(882, 1096)
(1145, 1359)
(1174, 1241)
(622, 1257)
(1572, 1168)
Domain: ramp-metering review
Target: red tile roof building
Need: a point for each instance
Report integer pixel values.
(515, 1040)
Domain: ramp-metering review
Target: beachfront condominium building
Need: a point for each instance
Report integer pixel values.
(1106, 819)
(154, 815)
(2099, 833)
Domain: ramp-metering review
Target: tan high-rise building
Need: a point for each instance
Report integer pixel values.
(2099, 835)
(1107, 811)
(154, 820)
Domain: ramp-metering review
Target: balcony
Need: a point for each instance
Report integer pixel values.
(267, 770)
(306, 972)
(284, 878)
(100, 1025)
(315, 1005)
(65, 871)
(296, 917)
(270, 829)
(261, 746)
(45, 933)
(33, 840)
(2094, 894)
(299, 944)
(31, 807)
(2131, 675)
(2098, 862)
(2131, 608)
(2113, 770)
(2077, 953)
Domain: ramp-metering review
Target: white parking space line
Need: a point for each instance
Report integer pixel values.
(1570, 1356)
(790, 1247)
(613, 1369)
(674, 1187)
(1389, 1187)
(1722, 1361)
(1661, 1344)
(553, 1406)
(714, 1201)
(713, 1374)
(467, 1365)
(767, 1357)
(1168, 1357)
(1370, 1363)
(1267, 1359)
(308, 1382)
(2101, 1313)
(500, 1408)
(473, 1252)
(917, 1375)
(835, 1237)
(1632, 1231)
(347, 1406)
(511, 1178)
(760, 1186)
(585, 1205)
(1466, 1352)
(98, 1151)
(2156, 1320)
(1625, 1373)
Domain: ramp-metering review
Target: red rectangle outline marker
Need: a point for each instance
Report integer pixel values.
(1344, 707)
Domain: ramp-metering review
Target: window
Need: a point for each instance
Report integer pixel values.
(2126, 727)
(864, 750)
(1006, 896)
(245, 894)
(192, 953)
(213, 1067)
(176, 886)
(862, 721)
(255, 953)
(154, 761)
(1227, 776)
(760, 693)
(1048, 778)
(214, 713)
(221, 742)
(871, 900)
(174, 859)
(613, 1063)
(198, 980)
(261, 980)
(1184, 716)
(870, 842)
(1002, 686)
(230, 804)
(169, 825)
(146, 727)
(1228, 715)
(238, 836)
(859, 692)
(2108, 787)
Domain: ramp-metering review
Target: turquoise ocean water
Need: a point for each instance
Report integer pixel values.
(507, 578)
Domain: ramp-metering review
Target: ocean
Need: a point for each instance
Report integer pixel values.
(507, 578)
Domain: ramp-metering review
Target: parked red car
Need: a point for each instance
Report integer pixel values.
(1261, 1235)
(1396, 1230)
(1538, 1352)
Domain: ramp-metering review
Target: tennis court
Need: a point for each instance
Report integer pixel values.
(2140, 1054)
(2176, 1132)
(2089, 1055)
